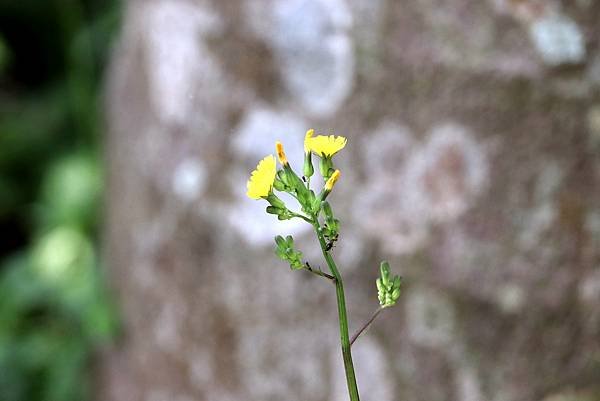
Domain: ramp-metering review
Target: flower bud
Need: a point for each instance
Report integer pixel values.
(379, 285)
(273, 210)
(281, 153)
(281, 175)
(275, 201)
(332, 180)
(280, 241)
(279, 185)
(327, 210)
(384, 268)
(308, 169)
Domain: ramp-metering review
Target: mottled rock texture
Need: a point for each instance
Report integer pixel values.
(472, 165)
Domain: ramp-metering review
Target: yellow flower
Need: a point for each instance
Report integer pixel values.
(307, 139)
(281, 153)
(261, 181)
(332, 180)
(324, 145)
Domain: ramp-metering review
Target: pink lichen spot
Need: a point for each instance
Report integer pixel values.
(468, 384)
(389, 159)
(392, 216)
(167, 326)
(412, 186)
(449, 171)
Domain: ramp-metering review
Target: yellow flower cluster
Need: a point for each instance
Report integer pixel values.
(262, 178)
(322, 145)
(261, 181)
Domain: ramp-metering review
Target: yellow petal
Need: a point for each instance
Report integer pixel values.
(261, 180)
(307, 138)
(326, 145)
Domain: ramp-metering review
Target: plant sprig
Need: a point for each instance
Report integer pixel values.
(316, 211)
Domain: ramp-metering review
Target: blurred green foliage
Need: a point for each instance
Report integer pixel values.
(54, 310)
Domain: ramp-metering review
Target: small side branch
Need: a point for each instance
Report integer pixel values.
(301, 216)
(366, 325)
(319, 272)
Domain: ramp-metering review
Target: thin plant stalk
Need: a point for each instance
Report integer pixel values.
(366, 325)
(342, 315)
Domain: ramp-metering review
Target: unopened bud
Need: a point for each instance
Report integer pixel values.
(332, 180)
(280, 241)
(273, 210)
(384, 268)
(380, 286)
(281, 153)
(327, 210)
(275, 201)
(308, 169)
(279, 185)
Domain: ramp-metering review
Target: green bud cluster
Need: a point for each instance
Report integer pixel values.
(278, 208)
(332, 225)
(388, 288)
(282, 183)
(309, 202)
(282, 214)
(286, 252)
(288, 181)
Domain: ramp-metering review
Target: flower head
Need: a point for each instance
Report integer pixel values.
(325, 145)
(281, 153)
(332, 180)
(261, 180)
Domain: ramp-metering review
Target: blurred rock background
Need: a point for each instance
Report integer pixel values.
(472, 165)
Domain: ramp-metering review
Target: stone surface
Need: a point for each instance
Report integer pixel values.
(472, 166)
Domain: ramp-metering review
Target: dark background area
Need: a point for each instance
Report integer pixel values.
(53, 307)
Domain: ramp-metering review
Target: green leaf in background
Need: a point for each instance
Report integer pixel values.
(71, 191)
(54, 308)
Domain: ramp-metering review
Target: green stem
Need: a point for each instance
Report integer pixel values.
(303, 217)
(343, 319)
(366, 325)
